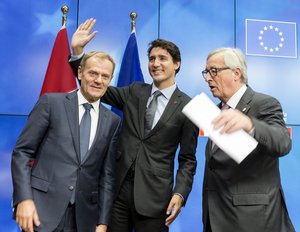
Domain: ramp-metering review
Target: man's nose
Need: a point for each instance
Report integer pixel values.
(99, 79)
(208, 77)
(156, 62)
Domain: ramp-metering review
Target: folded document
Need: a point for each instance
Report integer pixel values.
(202, 111)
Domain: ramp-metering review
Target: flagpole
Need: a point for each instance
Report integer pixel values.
(133, 16)
(64, 10)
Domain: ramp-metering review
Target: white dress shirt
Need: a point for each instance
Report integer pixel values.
(234, 100)
(94, 114)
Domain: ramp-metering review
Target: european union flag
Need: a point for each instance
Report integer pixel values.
(271, 38)
(130, 70)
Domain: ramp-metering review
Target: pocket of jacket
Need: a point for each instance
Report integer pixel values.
(39, 184)
(251, 199)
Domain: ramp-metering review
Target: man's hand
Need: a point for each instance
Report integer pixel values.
(101, 228)
(232, 120)
(26, 215)
(82, 36)
(173, 209)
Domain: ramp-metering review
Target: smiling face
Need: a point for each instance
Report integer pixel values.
(95, 77)
(162, 67)
(226, 82)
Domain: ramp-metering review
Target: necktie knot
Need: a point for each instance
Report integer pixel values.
(225, 107)
(156, 94)
(87, 106)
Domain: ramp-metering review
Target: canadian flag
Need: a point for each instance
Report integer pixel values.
(59, 76)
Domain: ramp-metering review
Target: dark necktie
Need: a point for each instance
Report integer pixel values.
(85, 128)
(150, 112)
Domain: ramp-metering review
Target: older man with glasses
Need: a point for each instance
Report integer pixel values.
(247, 196)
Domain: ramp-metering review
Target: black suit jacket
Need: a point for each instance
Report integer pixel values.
(249, 196)
(51, 137)
(153, 154)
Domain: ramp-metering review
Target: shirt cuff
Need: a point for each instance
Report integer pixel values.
(76, 57)
(180, 196)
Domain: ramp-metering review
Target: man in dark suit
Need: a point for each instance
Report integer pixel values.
(244, 197)
(147, 198)
(68, 189)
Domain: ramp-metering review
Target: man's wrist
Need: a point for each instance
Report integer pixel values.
(182, 198)
(77, 50)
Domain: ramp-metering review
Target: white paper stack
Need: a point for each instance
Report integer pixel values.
(201, 111)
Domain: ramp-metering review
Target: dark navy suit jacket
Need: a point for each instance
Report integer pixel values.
(51, 137)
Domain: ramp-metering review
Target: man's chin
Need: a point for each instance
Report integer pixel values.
(95, 97)
(214, 93)
(157, 78)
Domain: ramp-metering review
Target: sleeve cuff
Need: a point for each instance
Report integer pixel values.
(178, 194)
(76, 57)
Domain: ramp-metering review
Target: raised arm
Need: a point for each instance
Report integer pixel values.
(83, 36)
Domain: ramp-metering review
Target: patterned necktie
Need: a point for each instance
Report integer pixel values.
(225, 107)
(150, 112)
(85, 128)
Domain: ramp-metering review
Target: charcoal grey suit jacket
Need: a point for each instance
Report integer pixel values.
(249, 197)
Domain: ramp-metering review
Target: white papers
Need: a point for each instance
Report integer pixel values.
(201, 111)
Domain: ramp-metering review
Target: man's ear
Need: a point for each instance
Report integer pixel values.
(237, 74)
(177, 65)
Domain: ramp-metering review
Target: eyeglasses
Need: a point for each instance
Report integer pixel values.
(212, 72)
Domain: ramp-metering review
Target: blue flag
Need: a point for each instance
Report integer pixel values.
(271, 38)
(130, 70)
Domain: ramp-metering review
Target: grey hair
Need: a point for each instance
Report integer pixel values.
(233, 58)
(100, 55)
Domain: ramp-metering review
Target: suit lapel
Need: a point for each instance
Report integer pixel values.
(171, 108)
(145, 94)
(244, 103)
(71, 105)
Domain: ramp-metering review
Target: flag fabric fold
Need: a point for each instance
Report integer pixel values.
(59, 75)
(130, 70)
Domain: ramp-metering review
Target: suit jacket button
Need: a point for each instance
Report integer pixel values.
(71, 188)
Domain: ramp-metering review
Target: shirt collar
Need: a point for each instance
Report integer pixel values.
(234, 100)
(166, 92)
(82, 100)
